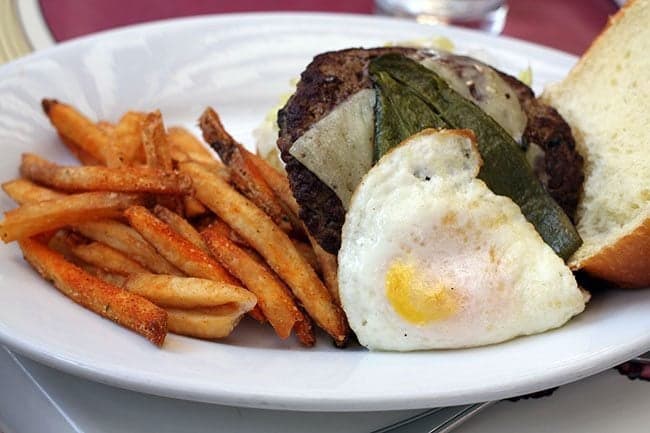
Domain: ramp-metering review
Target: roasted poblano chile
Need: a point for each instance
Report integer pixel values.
(411, 97)
(399, 113)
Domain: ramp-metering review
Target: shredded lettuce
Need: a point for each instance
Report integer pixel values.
(436, 42)
(526, 76)
(266, 134)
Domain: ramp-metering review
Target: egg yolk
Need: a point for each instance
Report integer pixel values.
(415, 299)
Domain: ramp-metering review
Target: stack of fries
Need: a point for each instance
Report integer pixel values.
(157, 234)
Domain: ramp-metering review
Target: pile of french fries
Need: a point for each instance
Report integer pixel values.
(156, 233)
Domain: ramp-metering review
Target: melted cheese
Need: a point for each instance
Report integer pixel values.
(338, 148)
(483, 86)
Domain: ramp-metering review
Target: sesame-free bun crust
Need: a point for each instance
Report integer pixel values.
(625, 262)
(606, 100)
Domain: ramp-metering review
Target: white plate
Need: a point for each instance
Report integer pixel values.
(240, 64)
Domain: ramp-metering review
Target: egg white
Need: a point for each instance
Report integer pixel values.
(423, 205)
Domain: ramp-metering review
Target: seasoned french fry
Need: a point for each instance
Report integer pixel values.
(107, 259)
(108, 277)
(304, 330)
(33, 218)
(97, 178)
(221, 227)
(204, 222)
(177, 250)
(126, 141)
(154, 141)
(64, 242)
(307, 253)
(178, 155)
(273, 297)
(181, 140)
(329, 266)
(150, 132)
(244, 174)
(128, 241)
(24, 191)
(256, 313)
(82, 156)
(77, 128)
(193, 207)
(279, 184)
(277, 181)
(107, 300)
(224, 229)
(158, 152)
(181, 226)
(273, 244)
(207, 323)
(188, 293)
(61, 242)
(216, 135)
(106, 127)
(189, 232)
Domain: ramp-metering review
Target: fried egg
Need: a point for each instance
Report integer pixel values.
(431, 258)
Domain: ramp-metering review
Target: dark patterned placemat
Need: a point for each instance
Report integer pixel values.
(635, 370)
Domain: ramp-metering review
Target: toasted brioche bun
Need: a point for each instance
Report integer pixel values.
(606, 100)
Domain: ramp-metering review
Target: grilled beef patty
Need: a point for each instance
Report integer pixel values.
(561, 170)
(334, 76)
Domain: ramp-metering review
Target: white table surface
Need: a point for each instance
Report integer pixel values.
(35, 398)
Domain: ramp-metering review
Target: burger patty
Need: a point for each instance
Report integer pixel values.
(328, 80)
(332, 77)
(561, 169)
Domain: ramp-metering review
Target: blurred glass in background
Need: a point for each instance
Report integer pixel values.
(487, 15)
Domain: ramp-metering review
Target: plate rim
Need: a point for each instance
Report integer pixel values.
(571, 372)
(234, 16)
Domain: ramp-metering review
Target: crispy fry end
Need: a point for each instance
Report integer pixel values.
(129, 310)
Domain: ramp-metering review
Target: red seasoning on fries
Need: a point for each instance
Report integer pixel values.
(98, 178)
(273, 244)
(176, 249)
(244, 174)
(34, 218)
(131, 238)
(154, 141)
(128, 241)
(126, 141)
(76, 128)
(273, 297)
(129, 310)
(189, 293)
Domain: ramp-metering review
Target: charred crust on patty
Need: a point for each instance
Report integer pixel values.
(329, 79)
(563, 174)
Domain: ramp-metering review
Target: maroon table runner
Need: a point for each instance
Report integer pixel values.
(565, 25)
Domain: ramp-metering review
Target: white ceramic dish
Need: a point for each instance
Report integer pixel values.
(240, 64)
